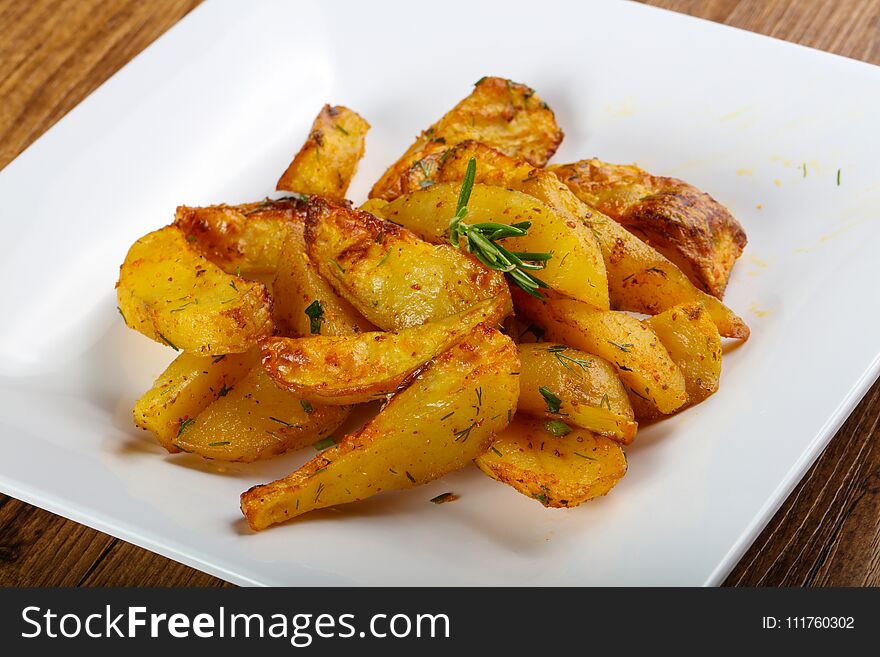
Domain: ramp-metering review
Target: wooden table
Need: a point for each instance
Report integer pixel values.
(53, 53)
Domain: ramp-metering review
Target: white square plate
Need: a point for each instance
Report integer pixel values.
(213, 111)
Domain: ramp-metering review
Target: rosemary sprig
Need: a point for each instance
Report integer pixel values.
(482, 240)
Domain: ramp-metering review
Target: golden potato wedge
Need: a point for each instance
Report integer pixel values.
(357, 368)
(186, 387)
(698, 234)
(304, 302)
(557, 470)
(243, 239)
(256, 420)
(642, 362)
(693, 342)
(640, 279)
(174, 295)
(328, 160)
(558, 382)
(389, 275)
(448, 415)
(502, 114)
(576, 269)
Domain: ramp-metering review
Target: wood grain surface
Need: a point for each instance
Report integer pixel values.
(53, 53)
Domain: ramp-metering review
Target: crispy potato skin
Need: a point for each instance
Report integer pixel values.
(389, 275)
(560, 471)
(450, 414)
(577, 268)
(186, 388)
(328, 160)
(641, 360)
(357, 368)
(243, 238)
(174, 295)
(502, 114)
(298, 284)
(640, 278)
(257, 420)
(686, 225)
(591, 394)
(693, 342)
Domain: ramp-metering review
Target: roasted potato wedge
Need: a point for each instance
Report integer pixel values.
(328, 160)
(389, 275)
(448, 415)
(558, 382)
(186, 388)
(243, 239)
(576, 269)
(174, 295)
(640, 279)
(304, 302)
(698, 234)
(357, 368)
(557, 470)
(503, 114)
(256, 420)
(694, 344)
(640, 358)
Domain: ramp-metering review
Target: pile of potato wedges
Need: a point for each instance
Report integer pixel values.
(288, 312)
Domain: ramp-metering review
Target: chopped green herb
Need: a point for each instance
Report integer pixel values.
(168, 342)
(557, 427)
(219, 443)
(424, 184)
(286, 424)
(497, 453)
(462, 436)
(384, 258)
(306, 406)
(805, 169)
(323, 444)
(584, 456)
(448, 415)
(838, 177)
(605, 402)
(410, 477)
(315, 313)
(183, 425)
(217, 359)
(342, 130)
(442, 498)
(558, 350)
(232, 285)
(225, 390)
(553, 402)
(190, 238)
(622, 347)
(338, 266)
(319, 491)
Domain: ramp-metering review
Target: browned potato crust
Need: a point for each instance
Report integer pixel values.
(298, 285)
(172, 294)
(354, 369)
(255, 419)
(641, 359)
(391, 276)
(558, 471)
(694, 344)
(640, 278)
(186, 388)
(686, 225)
(587, 388)
(502, 114)
(245, 239)
(328, 160)
(447, 416)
